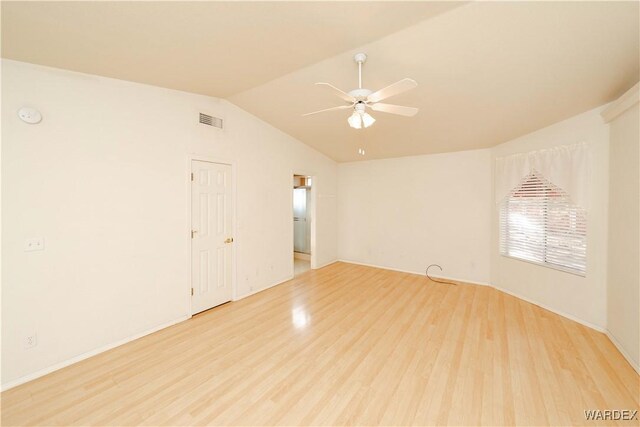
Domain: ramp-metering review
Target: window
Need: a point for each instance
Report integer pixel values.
(539, 224)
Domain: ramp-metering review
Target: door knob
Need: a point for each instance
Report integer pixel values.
(229, 240)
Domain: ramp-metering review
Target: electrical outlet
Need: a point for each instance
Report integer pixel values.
(31, 341)
(34, 244)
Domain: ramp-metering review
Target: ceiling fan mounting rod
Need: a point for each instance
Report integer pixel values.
(360, 58)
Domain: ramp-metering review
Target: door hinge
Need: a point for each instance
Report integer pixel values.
(192, 178)
(193, 233)
(191, 291)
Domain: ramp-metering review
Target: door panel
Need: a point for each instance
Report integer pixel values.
(211, 229)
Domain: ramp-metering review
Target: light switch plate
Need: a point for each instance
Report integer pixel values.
(34, 244)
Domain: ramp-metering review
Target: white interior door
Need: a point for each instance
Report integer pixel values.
(211, 238)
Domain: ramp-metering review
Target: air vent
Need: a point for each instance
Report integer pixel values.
(208, 120)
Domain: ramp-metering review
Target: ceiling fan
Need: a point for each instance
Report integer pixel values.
(359, 99)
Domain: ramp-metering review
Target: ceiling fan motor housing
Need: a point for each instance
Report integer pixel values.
(360, 94)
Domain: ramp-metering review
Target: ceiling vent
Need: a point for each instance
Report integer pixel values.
(208, 120)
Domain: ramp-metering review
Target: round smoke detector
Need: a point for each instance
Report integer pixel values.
(29, 115)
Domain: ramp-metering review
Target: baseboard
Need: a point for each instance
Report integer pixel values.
(83, 356)
(622, 351)
(609, 335)
(419, 273)
(559, 313)
(276, 283)
(279, 281)
(456, 279)
(326, 264)
(553, 310)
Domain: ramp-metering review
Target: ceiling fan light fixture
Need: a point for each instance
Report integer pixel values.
(367, 120)
(355, 120)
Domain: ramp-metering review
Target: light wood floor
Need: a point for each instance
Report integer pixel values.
(345, 345)
(300, 266)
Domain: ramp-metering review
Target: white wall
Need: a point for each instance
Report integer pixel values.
(580, 298)
(407, 213)
(103, 178)
(623, 296)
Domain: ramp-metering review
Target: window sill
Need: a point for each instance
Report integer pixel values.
(551, 266)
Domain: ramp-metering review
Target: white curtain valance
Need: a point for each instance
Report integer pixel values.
(565, 166)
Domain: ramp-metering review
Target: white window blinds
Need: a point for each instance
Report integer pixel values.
(539, 224)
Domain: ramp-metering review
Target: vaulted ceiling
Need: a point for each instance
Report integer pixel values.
(212, 48)
(487, 71)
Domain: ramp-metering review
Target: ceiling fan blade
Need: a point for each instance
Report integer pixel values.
(340, 93)
(391, 90)
(395, 109)
(342, 107)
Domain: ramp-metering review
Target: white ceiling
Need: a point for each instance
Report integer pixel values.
(212, 48)
(488, 71)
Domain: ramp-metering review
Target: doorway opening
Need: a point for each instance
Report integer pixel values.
(302, 219)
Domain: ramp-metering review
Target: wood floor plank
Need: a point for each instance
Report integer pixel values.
(345, 345)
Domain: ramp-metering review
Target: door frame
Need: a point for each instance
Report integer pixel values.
(314, 203)
(234, 228)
